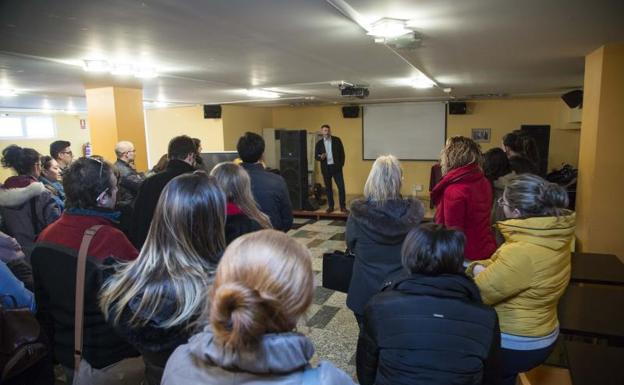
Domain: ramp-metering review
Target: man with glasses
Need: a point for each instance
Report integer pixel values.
(61, 151)
(129, 179)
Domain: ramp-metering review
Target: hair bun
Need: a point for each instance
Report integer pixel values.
(237, 315)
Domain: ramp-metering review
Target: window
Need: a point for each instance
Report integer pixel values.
(37, 127)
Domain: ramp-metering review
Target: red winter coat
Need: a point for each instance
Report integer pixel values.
(463, 200)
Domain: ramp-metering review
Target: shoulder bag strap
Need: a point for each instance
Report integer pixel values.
(81, 265)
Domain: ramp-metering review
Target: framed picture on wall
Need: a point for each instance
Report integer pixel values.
(481, 135)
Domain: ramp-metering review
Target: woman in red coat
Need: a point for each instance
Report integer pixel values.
(463, 197)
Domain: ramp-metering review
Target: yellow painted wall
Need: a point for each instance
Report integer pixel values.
(164, 124)
(130, 122)
(501, 116)
(67, 128)
(239, 119)
(600, 214)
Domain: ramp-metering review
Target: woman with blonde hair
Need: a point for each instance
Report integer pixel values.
(243, 215)
(376, 228)
(463, 198)
(263, 286)
(154, 301)
(528, 274)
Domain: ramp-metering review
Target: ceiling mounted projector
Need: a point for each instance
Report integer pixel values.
(351, 91)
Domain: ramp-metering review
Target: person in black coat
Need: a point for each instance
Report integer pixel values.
(330, 152)
(181, 153)
(269, 189)
(376, 228)
(242, 213)
(428, 325)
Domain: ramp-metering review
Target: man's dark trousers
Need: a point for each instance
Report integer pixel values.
(335, 172)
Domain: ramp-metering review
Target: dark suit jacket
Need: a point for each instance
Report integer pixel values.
(271, 194)
(337, 152)
(147, 198)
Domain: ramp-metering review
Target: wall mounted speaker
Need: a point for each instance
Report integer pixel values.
(212, 111)
(573, 98)
(457, 108)
(350, 112)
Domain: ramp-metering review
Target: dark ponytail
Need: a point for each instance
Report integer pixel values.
(22, 160)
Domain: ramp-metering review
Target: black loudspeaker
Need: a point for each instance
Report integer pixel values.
(350, 112)
(573, 98)
(294, 166)
(212, 111)
(457, 108)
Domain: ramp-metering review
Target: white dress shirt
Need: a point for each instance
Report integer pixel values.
(328, 150)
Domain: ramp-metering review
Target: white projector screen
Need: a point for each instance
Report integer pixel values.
(409, 131)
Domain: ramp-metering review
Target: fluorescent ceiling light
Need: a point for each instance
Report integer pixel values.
(95, 65)
(422, 82)
(145, 72)
(7, 92)
(388, 28)
(160, 103)
(262, 94)
(122, 69)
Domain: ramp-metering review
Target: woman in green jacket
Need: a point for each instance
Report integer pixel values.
(526, 276)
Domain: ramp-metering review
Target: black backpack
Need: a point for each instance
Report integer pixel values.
(21, 343)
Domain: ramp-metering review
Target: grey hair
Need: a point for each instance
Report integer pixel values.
(384, 180)
(122, 147)
(535, 197)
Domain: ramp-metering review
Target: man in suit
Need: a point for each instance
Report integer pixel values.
(330, 152)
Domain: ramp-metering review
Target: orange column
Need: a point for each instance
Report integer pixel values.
(600, 212)
(116, 114)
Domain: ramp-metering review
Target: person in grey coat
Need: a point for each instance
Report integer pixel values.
(376, 228)
(263, 285)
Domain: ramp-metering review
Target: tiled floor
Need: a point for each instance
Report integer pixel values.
(330, 324)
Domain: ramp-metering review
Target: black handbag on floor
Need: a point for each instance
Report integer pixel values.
(337, 270)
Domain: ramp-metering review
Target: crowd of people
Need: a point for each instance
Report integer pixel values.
(190, 278)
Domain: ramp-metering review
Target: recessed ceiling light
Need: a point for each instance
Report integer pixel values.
(95, 65)
(122, 69)
(262, 94)
(388, 28)
(145, 72)
(422, 82)
(7, 92)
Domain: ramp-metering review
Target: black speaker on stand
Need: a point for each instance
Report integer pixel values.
(294, 166)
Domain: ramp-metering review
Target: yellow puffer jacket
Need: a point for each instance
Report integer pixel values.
(527, 275)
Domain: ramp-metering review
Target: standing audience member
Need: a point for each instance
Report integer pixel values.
(263, 286)
(91, 188)
(522, 152)
(129, 179)
(11, 253)
(463, 197)
(25, 204)
(51, 179)
(181, 155)
(429, 326)
(154, 302)
(11, 286)
(243, 215)
(376, 228)
(268, 189)
(60, 151)
(159, 167)
(199, 162)
(498, 171)
(528, 274)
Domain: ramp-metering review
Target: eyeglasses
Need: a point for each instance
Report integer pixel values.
(501, 202)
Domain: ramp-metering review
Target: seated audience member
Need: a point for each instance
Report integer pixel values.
(522, 152)
(376, 228)
(51, 179)
(154, 301)
(91, 189)
(129, 179)
(528, 274)
(26, 206)
(60, 151)
(428, 325)
(497, 170)
(11, 253)
(160, 166)
(243, 215)
(268, 189)
(263, 286)
(463, 197)
(181, 155)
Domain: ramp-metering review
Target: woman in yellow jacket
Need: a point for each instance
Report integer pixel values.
(527, 275)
